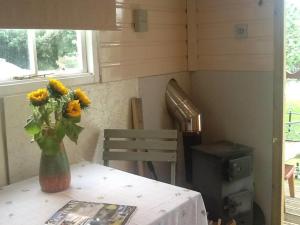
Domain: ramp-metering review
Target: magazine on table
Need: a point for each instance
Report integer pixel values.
(91, 213)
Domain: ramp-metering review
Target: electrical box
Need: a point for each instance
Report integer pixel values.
(241, 31)
(140, 20)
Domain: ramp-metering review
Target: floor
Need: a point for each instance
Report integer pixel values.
(292, 207)
(292, 215)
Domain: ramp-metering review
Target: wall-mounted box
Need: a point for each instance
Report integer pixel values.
(140, 20)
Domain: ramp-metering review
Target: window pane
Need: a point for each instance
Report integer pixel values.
(57, 50)
(14, 55)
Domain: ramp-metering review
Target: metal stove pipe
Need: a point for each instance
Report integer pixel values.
(182, 109)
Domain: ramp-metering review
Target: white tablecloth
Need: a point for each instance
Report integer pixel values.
(157, 203)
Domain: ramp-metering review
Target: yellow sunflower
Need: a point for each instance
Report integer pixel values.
(38, 97)
(73, 109)
(82, 97)
(57, 88)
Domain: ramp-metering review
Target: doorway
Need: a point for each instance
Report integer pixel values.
(291, 156)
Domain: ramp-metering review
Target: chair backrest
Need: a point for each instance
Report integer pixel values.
(141, 145)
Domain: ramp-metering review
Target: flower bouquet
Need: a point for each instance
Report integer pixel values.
(56, 112)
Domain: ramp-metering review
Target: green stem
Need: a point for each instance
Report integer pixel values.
(45, 118)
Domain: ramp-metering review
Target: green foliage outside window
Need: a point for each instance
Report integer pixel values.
(292, 37)
(14, 47)
(53, 46)
(56, 49)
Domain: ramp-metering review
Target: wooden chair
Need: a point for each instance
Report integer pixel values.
(141, 145)
(289, 176)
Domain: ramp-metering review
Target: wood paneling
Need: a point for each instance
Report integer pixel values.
(141, 68)
(57, 14)
(127, 52)
(162, 49)
(212, 41)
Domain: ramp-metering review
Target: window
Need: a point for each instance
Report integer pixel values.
(27, 54)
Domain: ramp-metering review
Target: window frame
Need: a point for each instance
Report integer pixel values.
(90, 67)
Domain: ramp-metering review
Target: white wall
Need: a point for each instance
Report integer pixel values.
(152, 91)
(237, 106)
(110, 109)
(212, 41)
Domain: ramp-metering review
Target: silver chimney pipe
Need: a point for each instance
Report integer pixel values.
(182, 109)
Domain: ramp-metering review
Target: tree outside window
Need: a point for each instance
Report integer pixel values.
(292, 36)
(34, 52)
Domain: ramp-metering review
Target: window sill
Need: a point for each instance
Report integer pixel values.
(20, 87)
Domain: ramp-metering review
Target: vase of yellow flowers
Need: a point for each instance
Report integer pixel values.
(56, 112)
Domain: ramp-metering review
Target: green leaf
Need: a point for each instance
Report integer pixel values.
(73, 131)
(75, 119)
(49, 144)
(60, 131)
(32, 127)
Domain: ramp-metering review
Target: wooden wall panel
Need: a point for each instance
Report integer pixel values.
(57, 14)
(212, 44)
(141, 68)
(155, 33)
(225, 30)
(127, 54)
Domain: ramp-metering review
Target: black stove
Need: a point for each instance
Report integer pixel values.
(222, 173)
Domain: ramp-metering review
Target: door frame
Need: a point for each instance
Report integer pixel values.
(278, 114)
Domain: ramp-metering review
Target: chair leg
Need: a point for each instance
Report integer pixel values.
(173, 173)
(105, 162)
(284, 208)
(291, 181)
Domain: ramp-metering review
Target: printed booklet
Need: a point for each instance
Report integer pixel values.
(91, 213)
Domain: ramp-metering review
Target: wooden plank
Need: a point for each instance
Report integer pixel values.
(138, 133)
(141, 144)
(57, 14)
(140, 156)
(292, 203)
(288, 223)
(112, 52)
(223, 30)
(137, 113)
(292, 218)
(138, 123)
(293, 210)
(225, 4)
(156, 33)
(236, 62)
(154, 4)
(192, 35)
(235, 13)
(124, 15)
(230, 46)
(142, 68)
(278, 114)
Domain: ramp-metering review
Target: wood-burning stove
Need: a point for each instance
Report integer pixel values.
(222, 173)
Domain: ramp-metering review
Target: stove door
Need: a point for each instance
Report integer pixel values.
(239, 168)
(239, 203)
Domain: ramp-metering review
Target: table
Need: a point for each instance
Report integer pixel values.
(157, 203)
